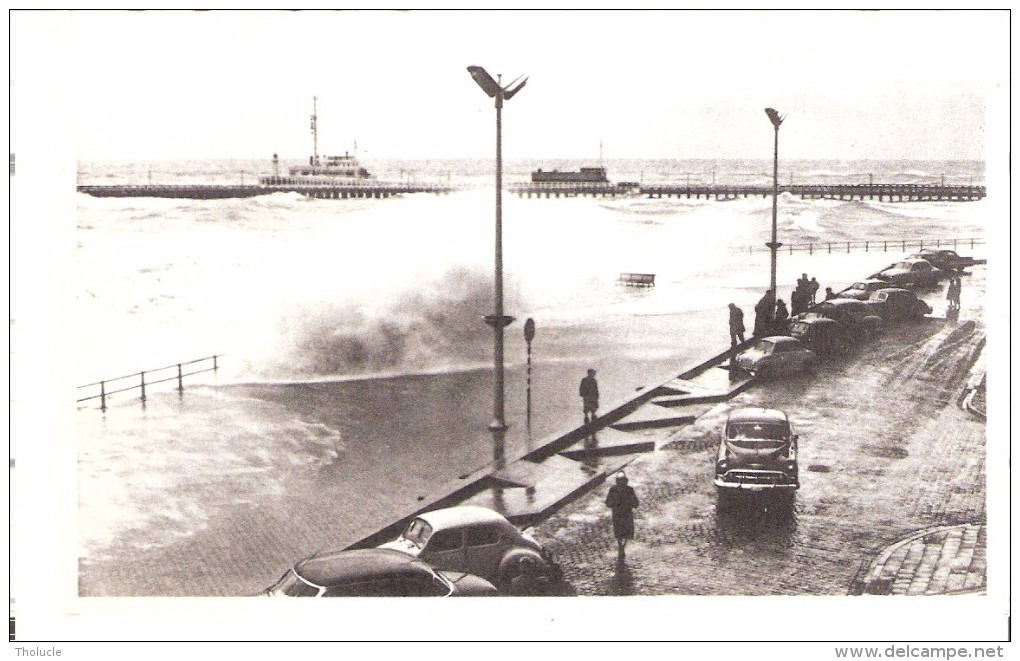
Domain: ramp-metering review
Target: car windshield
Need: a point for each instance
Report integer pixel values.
(418, 533)
(902, 265)
(756, 431)
(860, 286)
(292, 586)
(764, 347)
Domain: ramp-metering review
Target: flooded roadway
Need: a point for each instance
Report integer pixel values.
(884, 451)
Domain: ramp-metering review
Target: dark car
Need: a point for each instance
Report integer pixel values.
(825, 337)
(860, 319)
(945, 260)
(910, 273)
(898, 304)
(757, 453)
(375, 573)
(862, 289)
(772, 356)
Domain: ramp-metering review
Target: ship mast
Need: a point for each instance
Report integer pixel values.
(315, 131)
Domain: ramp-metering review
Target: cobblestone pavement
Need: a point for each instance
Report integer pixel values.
(892, 497)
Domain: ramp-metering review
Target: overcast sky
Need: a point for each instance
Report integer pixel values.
(177, 85)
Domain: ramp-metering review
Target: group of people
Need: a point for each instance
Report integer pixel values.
(804, 294)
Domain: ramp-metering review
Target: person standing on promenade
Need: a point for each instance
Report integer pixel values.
(782, 315)
(829, 294)
(953, 292)
(622, 500)
(764, 311)
(736, 325)
(813, 290)
(589, 392)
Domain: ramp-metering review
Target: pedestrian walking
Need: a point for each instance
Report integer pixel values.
(953, 292)
(589, 392)
(736, 325)
(782, 315)
(622, 500)
(764, 313)
(813, 290)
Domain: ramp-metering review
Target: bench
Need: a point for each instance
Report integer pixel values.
(637, 279)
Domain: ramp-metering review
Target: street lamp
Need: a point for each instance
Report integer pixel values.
(774, 245)
(497, 319)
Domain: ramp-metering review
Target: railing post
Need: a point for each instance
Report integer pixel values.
(866, 246)
(180, 379)
(885, 246)
(904, 245)
(143, 385)
(811, 248)
(830, 248)
(102, 395)
(214, 366)
(848, 247)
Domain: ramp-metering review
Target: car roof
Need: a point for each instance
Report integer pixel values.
(816, 321)
(837, 302)
(757, 414)
(781, 339)
(870, 281)
(343, 567)
(892, 290)
(462, 515)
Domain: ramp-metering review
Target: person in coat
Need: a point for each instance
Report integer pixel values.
(589, 391)
(736, 325)
(764, 311)
(782, 315)
(622, 500)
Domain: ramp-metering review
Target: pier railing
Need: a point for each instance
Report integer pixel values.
(141, 380)
(872, 245)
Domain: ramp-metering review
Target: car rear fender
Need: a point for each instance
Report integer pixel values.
(508, 566)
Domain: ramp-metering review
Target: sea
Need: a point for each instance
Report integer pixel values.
(355, 373)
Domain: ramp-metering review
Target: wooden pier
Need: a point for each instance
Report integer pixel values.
(880, 192)
(333, 191)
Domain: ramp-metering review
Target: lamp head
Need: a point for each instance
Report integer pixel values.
(774, 117)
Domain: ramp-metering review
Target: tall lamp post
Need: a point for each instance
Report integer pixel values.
(774, 244)
(497, 319)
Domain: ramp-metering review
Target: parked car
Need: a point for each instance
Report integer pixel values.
(476, 540)
(860, 319)
(861, 290)
(894, 304)
(757, 453)
(910, 273)
(375, 573)
(945, 260)
(825, 337)
(778, 354)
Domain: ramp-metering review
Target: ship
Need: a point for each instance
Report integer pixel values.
(327, 170)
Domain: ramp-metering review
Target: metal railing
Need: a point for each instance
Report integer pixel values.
(142, 383)
(872, 245)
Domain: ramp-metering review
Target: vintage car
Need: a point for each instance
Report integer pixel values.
(910, 273)
(945, 260)
(757, 453)
(775, 355)
(862, 289)
(825, 337)
(860, 319)
(894, 304)
(476, 540)
(375, 573)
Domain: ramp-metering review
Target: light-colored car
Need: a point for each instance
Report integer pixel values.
(910, 273)
(779, 354)
(757, 453)
(375, 573)
(863, 288)
(476, 540)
